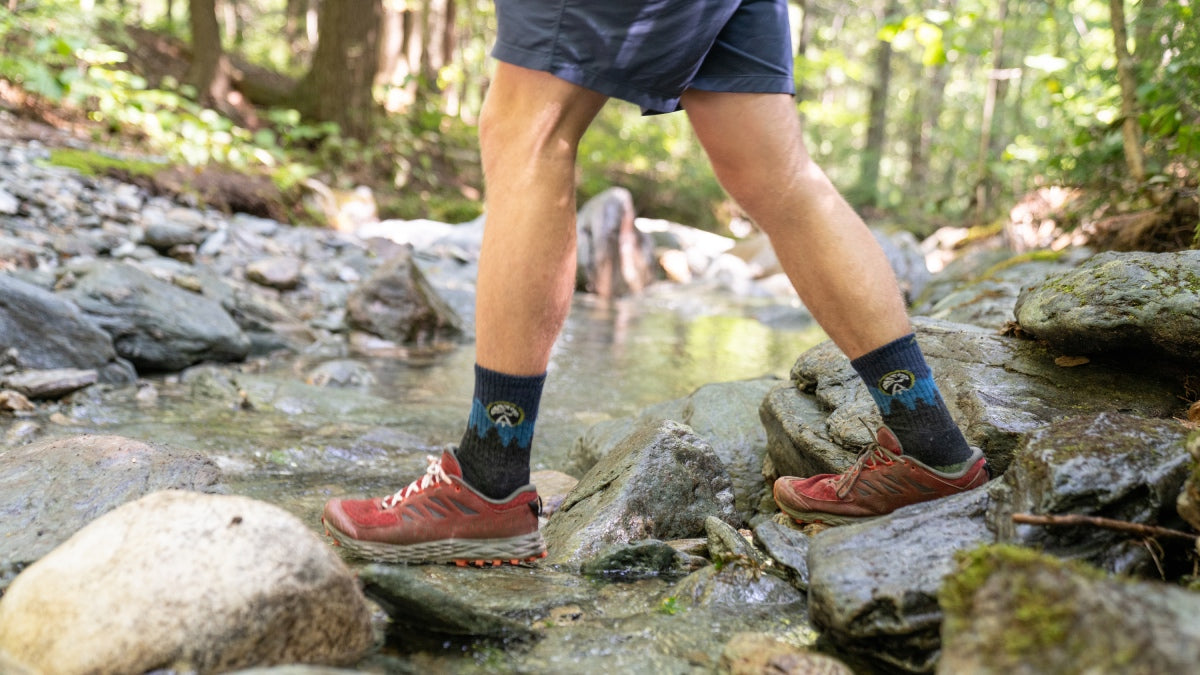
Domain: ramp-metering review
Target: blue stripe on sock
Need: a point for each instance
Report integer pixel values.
(924, 391)
(480, 423)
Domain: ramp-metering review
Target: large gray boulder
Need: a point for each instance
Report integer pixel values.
(995, 387)
(873, 586)
(725, 414)
(614, 257)
(154, 324)
(1140, 303)
(185, 581)
(397, 303)
(1107, 464)
(49, 332)
(50, 489)
(662, 482)
(1012, 610)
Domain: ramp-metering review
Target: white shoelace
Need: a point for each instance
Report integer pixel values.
(434, 474)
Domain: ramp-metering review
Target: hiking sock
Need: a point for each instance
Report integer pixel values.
(902, 385)
(494, 452)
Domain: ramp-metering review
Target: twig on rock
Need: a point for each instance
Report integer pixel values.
(1106, 523)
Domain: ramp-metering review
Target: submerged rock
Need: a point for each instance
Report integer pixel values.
(187, 581)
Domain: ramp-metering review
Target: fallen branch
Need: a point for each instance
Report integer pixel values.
(1106, 523)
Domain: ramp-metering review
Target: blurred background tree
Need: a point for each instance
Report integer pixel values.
(925, 113)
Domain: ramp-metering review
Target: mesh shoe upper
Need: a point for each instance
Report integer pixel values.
(437, 506)
(882, 480)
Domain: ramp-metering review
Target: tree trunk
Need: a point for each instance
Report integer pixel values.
(338, 86)
(983, 179)
(867, 191)
(1131, 129)
(209, 72)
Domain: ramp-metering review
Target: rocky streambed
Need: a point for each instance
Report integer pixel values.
(183, 389)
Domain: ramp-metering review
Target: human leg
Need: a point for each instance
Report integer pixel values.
(528, 134)
(483, 509)
(836, 266)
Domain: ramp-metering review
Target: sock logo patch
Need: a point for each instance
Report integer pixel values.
(897, 382)
(505, 414)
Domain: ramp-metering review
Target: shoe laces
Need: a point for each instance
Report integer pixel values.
(872, 456)
(434, 474)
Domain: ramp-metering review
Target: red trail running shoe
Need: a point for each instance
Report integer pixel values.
(438, 518)
(881, 481)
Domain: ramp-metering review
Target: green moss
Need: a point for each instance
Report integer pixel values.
(91, 163)
(1042, 620)
(1040, 255)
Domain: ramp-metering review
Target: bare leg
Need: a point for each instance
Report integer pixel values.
(833, 260)
(529, 133)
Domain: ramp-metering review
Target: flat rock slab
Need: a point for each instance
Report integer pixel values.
(50, 489)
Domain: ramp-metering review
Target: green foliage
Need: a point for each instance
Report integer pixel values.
(669, 606)
(658, 159)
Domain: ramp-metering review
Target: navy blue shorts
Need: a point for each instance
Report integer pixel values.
(649, 51)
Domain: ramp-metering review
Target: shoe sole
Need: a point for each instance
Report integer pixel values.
(524, 548)
(820, 518)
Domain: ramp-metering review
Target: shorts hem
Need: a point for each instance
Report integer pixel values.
(746, 84)
(583, 78)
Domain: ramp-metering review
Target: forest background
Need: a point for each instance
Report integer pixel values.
(944, 112)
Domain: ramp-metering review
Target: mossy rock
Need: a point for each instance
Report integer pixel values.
(1013, 610)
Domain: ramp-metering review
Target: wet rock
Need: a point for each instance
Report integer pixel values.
(553, 487)
(341, 373)
(995, 387)
(660, 483)
(724, 414)
(279, 272)
(182, 228)
(759, 654)
(447, 600)
(648, 558)
(154, 324)
(988, 298)
(8, 204)
(903, 252)
(1131, 302)
(739, 585)
(188, 581)
(50, 384)
(787, 547)
(1108, 464)
(1011, 610)
(51, 488)
(1188, 502)
(873, 586)
(614, 257)
(728, 545)
(48, 332)
(398, 304)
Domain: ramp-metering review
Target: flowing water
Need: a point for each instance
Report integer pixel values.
(295, 444)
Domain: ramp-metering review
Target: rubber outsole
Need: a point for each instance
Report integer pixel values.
(517, 550)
